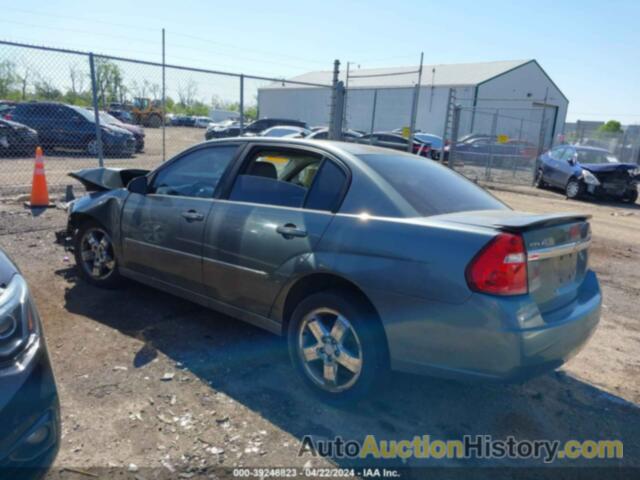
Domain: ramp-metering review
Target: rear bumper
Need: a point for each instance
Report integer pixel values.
(488, 338)
(29, 416)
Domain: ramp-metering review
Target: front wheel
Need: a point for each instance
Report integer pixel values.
(95, 257)
(574, 188)
(630, 197)
(337, 345)
(538, 181)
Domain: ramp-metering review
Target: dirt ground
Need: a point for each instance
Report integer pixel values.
(153, 385)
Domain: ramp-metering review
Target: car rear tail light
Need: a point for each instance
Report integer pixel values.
(500, 268)
(8, 116)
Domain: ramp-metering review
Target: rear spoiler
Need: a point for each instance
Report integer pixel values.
(101, 179)
(530, 222)
(511, 221)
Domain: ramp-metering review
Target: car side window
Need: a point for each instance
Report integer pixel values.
(276, 177)
(557, 153)
(568, 154)
(196, 174)
(328, 188)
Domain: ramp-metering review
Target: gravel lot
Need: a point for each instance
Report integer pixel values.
(152, 385)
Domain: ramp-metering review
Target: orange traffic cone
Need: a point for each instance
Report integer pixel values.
(39, 191)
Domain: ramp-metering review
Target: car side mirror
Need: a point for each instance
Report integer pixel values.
(572, 161)
(138, 185)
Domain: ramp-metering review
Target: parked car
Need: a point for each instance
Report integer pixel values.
(29, 407)
(201, 122)
(17, 139)
(364, 257)
(123, 115)
(285, 132)
(582, 170)
(183, 121)
(222, 130)
(479, 150)
(436, 142)
(6, 107)
(135, 130)
(69, 127)
(254, 128)
(323, 134)
(395, 141)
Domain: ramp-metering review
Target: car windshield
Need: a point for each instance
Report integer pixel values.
(87, 114)
(108, 118)
(588, 156)
(430, 188)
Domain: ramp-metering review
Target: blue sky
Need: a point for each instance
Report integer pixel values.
(591, 49)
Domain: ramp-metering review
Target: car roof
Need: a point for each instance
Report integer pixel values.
(589, 149)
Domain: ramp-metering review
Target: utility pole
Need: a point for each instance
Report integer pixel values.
(96, 111)
(164, 102)
(414, 106)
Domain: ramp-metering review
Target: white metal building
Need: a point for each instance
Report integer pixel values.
(528, 103)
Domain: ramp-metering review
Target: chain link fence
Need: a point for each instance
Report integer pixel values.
(88, 110)
(499, 145)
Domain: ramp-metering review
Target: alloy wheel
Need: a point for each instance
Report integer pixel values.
(96, 251)
(573, 188)
(92, 147)
(330, 350)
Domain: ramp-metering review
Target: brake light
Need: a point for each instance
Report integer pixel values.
(8, 116)
(500, 268)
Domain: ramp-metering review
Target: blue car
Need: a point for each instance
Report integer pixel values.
(580, 170)
(72, 128)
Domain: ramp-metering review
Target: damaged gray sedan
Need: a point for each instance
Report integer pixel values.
(364, 258)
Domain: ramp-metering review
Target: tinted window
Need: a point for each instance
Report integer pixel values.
(276, 177)
(557, 152)
(430, 188)
(327, 190)
(196, 174)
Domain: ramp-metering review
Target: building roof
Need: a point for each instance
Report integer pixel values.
(459, 74)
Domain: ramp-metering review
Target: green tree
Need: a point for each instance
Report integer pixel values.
(612, 126)
(7, 78)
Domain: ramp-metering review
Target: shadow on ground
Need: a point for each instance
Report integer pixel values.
(252, 367)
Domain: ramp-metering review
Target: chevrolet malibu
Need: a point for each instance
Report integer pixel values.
(365, 258)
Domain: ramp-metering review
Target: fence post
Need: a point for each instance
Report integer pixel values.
(455, 128)
(241, 108)
(494, 129)
(96, 109)
(334, 134)
(164, 103)
(373, 114)
(414, 107)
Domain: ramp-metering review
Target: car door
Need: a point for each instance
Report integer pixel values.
(162, 230)
(551, 165)
(566, 166)
(276, 211)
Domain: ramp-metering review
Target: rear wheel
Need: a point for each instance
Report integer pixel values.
(95, 256)
(92, 147)
(337, 345)
(574, 188)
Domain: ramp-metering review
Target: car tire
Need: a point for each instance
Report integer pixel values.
(574, 188)
(95, 258)
(340, 364)
(630, 197)
(91, 147)
(538, 181)
(155, 121)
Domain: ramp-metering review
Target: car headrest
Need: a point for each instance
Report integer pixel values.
(263, 169)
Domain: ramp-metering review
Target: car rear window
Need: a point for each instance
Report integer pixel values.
(428, 187)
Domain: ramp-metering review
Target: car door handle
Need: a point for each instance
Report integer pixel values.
(290, 231)
(193, 216)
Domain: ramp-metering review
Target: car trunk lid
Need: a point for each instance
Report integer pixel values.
(556, 245)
